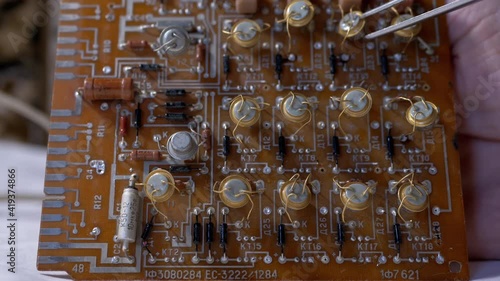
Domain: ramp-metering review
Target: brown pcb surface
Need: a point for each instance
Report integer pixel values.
(362, 197)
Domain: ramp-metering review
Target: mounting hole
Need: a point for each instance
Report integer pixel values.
(321, 170)
(426, 87)
(455, 266)
(266, 87)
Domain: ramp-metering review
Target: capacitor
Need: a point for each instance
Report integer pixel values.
(336, 148)
(200, 52)
(123, 125)
(206, 137)
(398, 239)
(98, 89)
(175, 105)
(384, 64)
(182, 146)
(278, 65)
(146, 155)
(281, 148)
(137, 45)
(281, 235)
(226, 146)
(175, 117)
(226, 64)
(129, 213)
(175, 92)
(390, 145)
(209, 232)
(179, 169)
(340, 233)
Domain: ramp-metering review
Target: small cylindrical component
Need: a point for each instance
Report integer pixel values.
(137, 45)
(223, 233)
(175, 116)
(179, 169)
(175, 92)
(281, 234)
(150, 67)
(97, 89)
(182, 146)
(233, 189)
(295, 195)
(384, 64)
(147, 229)
(336, 147)
(356, 196)
(397, 234)
(175, 105)
(226, 145)
(200, 52)
(197, 235)
(146, 155)
(295, 108)
(281, 147)
(356, 102)
(333, 63)
(246, 33)
(406, 34)
(390, 145)
(206, 136)
(352, 25)
(129, 213)
(226, 64)
(209, 232)
(137, 118)
(159, 185)
(123, 125)
(278, 65)
(423, 114)
(340, 233)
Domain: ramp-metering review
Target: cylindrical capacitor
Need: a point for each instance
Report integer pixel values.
(197, 236)
(390, 145)
(209, 236)
(223, 233)
(127, 222)
(226, 146)
(97, 89)
(200, 52)
(384, 64)
(146, 155)
(123, 125)
(226, 64)
(397, 234)
(281, 234)
(281, 146)
(206, 136)
(336, 147)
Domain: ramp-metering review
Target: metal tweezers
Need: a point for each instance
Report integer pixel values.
(450, 7)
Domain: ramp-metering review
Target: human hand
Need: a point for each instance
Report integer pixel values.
(475, 37)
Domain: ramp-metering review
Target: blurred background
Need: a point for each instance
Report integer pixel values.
(27, 51)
